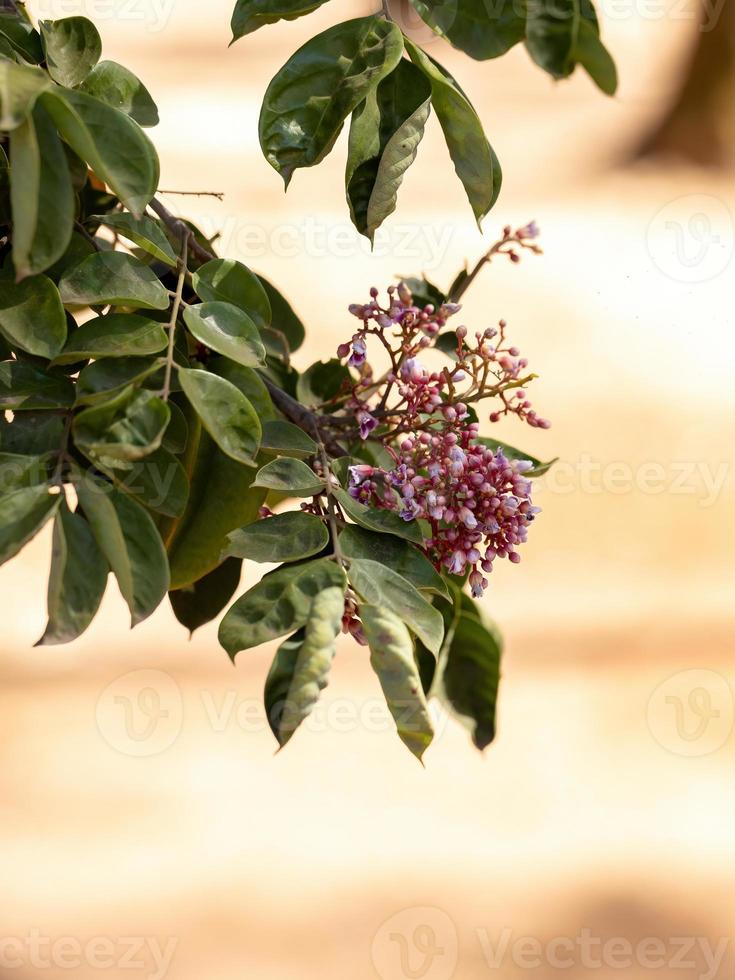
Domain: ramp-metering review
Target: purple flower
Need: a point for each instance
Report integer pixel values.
(360, 472)
(366, 422)
(359, 352)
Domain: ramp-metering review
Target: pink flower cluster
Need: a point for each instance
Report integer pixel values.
(477, 502)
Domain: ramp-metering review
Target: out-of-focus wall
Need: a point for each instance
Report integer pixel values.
(139, 795)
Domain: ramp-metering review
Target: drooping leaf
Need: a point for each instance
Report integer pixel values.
(31, 316)
(228, 330)
(248, 382)
(560, 35)
(127, 537)
(109, 141)
(481, 28)
(22, 515)
(41, 194)
(115, 278)
(402, 557)
(392, 659)
(72, 47)
(226, 413)
(176, 435)
(510, 452)
(279, 604)
(473, 157)
(287, 439)
(77, 581)
(289, 476)
(20, 86)
(283, 317)
(249, 15)
(114, 335)
(221, 499)
(470, 677)
(300, 675)
(128, 427)
(121, 89)
(205, 599)
(158, 481)
(228, 281)
(383, 521)
(379, 585)
(144, 232)
(309, 99)
(22, 386)
(385, 133)
(594, 57)
(285, 537)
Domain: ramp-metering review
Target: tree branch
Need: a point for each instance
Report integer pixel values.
(181, 230)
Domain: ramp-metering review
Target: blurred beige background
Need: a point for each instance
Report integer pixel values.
(141, 806)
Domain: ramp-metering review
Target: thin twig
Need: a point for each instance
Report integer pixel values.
(332, 516)
(218, 194)
(174, 317)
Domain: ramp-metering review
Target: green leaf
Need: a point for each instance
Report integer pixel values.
(32, 317)
(481, 29)
(471, 675)
(109, 141)
(226, 413)
(380, 586)
(228, 330)
(510, 452)
(594, 57)
(300, 672)
(114, 335)
(41, 194)
(18, 471)
(128, 427)
(121, 89)
(99, 381)
(22, 386)
(285, 537)
(308, 100)
(400, 556)
(72, 47)
(221, 499)
(158, 481)
(176, 435)
(248, 382)
(425, 292)
(560, 35)
(77, 581)
(144, 232)
(249, 15)
(279, 604)
(115, 278)
(385, 133)
(20, 33)
(31, 433)
(20, 86)
(383, 521)
(287, 439)
(289, 476)
(128, 539)
(392, 659)
(473, 157)
(205, 599)
(228, 281)
(22, 515)
(283, 317)
(321, 382)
